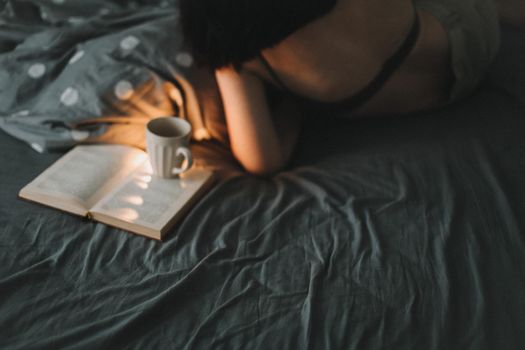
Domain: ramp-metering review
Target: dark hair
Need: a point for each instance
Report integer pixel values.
(229, 32)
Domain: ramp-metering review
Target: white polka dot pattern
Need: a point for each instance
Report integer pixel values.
(69, 96)
(124, 90)
(184, 59)
(78, 55)
(37, 70)
(129, 43)
(37, 147)
(79, 135)
(23, 113)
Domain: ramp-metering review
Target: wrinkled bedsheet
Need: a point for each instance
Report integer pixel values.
(393, 233)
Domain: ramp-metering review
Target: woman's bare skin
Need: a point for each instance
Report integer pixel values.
(362, 33)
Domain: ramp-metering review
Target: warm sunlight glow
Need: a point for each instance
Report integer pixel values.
(148, 168)
(127, 214)
(134, 160)
(145, 178)
(142, 185)
(136, 200)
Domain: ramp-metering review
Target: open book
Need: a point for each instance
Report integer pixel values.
(113, 184)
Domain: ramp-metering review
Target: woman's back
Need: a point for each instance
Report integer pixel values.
(396, 56)
(334, 57)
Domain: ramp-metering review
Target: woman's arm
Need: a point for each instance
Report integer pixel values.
(260, 143)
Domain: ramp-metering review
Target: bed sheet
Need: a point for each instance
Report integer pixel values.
(393, 233)
(82, 71)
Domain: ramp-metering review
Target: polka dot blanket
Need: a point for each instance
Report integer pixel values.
(82, 71)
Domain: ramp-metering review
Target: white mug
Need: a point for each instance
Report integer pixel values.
(167, 143)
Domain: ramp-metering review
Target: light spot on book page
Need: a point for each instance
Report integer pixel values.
(135, 200)
(126, 214)
(150, 202)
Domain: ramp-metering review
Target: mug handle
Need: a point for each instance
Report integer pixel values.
(188, 160)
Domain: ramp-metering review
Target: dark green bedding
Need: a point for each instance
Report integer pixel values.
(393, 233)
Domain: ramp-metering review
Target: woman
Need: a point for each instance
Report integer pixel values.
(351, 57)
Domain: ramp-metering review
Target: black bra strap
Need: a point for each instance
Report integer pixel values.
(365, 94)
(274, 75)
(390, 66)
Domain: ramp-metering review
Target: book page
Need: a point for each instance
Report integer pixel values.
(150, 201)
(87, 173)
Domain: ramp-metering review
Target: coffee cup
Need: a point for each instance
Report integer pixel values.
(167, 144)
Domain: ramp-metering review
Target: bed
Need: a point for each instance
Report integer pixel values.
(393, 233)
